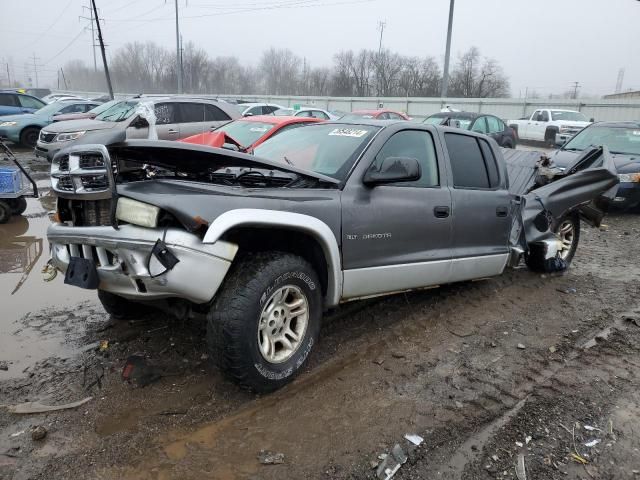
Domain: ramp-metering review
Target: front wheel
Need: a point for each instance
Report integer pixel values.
(265, 320)
(567, 231)
(29, 137)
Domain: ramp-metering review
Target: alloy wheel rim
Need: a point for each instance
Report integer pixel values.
(566, 233)
(283, 324)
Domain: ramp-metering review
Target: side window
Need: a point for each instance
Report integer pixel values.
(8, 100)
(254, 111)
(480, 125)
(73, 108)
(495, 125)
(535, 115)
(269, 109)
(383, 116)
(214, 114)
(191, 112)
(303, 113)
(413, 144)
(29, 102)
(467, 161)
(544, 116)
(490, 163)
(394, 116)
(165, 113)
(89, 106)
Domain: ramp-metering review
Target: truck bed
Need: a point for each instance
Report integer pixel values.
(522, 166)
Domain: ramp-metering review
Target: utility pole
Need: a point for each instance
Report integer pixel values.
(576, 85)
(447, 54)
(91, 18)
(104, 56)
(181, 61)
(35, 67)
(8, 74)
(620, 80)
(64, 79)
(381, 26)
(178, 57)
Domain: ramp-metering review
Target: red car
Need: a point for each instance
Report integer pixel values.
(248, 132)
(380, 114)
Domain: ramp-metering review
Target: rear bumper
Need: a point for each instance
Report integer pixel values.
(122, 260)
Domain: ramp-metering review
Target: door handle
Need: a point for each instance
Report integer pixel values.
(441, 211)
(171, 130)
(502, 211)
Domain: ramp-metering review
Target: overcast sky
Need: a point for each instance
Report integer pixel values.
(544, 45)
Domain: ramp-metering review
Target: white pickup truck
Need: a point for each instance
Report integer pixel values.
(550, 125)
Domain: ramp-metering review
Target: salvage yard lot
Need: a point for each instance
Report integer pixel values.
(474, 368)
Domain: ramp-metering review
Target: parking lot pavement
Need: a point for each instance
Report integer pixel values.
(484, 371)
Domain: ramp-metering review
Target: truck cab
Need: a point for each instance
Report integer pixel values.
(549, 125)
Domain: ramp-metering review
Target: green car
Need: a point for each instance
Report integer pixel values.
(24, 129)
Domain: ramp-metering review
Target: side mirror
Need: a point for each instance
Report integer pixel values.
(249, 114)
(393, 170)
(592, 119)
(230, 146)
(140, 123)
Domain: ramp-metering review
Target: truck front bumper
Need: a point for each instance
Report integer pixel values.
(122, 260)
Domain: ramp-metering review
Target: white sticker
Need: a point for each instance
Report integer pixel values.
(347, 132)
(258, 129)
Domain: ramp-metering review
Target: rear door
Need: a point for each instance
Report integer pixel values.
(167, 121)
(397, 236)
(191, 119)
(481, 208)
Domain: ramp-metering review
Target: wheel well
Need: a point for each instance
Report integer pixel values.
(255, 239)
(30, 126)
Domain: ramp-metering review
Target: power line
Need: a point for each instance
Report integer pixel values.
(65, 48)
(42, 34)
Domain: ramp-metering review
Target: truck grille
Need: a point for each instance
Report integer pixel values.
(83, 172)
(47, 137)
(102, 256)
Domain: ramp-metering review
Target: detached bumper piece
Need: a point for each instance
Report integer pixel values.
(134, 263)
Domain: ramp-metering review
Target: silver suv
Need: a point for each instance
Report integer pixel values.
(176, 118)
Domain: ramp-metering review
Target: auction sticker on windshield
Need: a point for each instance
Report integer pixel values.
(347, 132)
(258, 129)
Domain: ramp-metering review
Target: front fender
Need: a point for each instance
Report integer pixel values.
(296, 221)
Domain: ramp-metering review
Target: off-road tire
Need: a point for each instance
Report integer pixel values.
(29, 136)
(5, 212)
(18, 206)
(535, 258)
(122, 309)
(234, 318)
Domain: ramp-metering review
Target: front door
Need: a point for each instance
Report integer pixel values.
(396, 237)
(481, 207)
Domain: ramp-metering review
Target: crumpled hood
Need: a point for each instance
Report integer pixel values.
(623, 163)
(79, 125)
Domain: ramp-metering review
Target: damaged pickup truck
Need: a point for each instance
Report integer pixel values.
(263, 244)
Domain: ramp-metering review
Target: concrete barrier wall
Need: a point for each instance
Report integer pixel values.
(419, 108)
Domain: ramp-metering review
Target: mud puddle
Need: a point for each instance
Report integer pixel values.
(29, 330)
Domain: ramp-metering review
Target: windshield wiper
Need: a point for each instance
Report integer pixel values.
(288, 161)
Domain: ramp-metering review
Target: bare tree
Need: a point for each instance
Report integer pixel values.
(319, 81)
(477, 78)
(387, 67)
(280, 68)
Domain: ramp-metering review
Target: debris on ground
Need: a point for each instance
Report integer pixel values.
(567, 290)
(552, 349)
(521, 346)
(521, 471)
(139, 371)
(4, 365)
(38, 433)
(592, 443)
(104, 345)
(413, 438)
(391, 463)
(37, 407)
(266, 457)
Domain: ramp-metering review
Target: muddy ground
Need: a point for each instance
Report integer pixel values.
(521, 368)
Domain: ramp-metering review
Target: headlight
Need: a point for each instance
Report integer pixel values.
(138, 213)
(8, 124)
(65, 137)
(629, 177)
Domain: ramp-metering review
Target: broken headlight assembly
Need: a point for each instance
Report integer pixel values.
(137, 213)
(629, 177)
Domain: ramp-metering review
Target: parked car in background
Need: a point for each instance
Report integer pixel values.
(93, 113)
(249, 132)
(54, 97)
(38, 92)
(176, 117)
(623, 141)
(380, 114)
(550, 125)
(312, 112)
(24, 129)
(249, 109)
(477, 122)
(14, 103)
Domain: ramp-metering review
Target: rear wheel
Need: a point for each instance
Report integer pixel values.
(568, 233)
(265, 320)
(122, 309)
(29, 136)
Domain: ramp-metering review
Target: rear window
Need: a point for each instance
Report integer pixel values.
(467, 162)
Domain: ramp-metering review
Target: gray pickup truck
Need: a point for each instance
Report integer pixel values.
(263, 244)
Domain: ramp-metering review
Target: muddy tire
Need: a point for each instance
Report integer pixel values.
(29, 136)
(265, 320)
(122, 309)
(5, 212)
(18, 206)
(568, 229)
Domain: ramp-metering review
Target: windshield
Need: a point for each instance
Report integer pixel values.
(118, 112)
(283, 112)
(105, 106)
(329, 149)
(571, 116)
(434, 120)
(51, 108)
(245, 133)
(616, 139)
